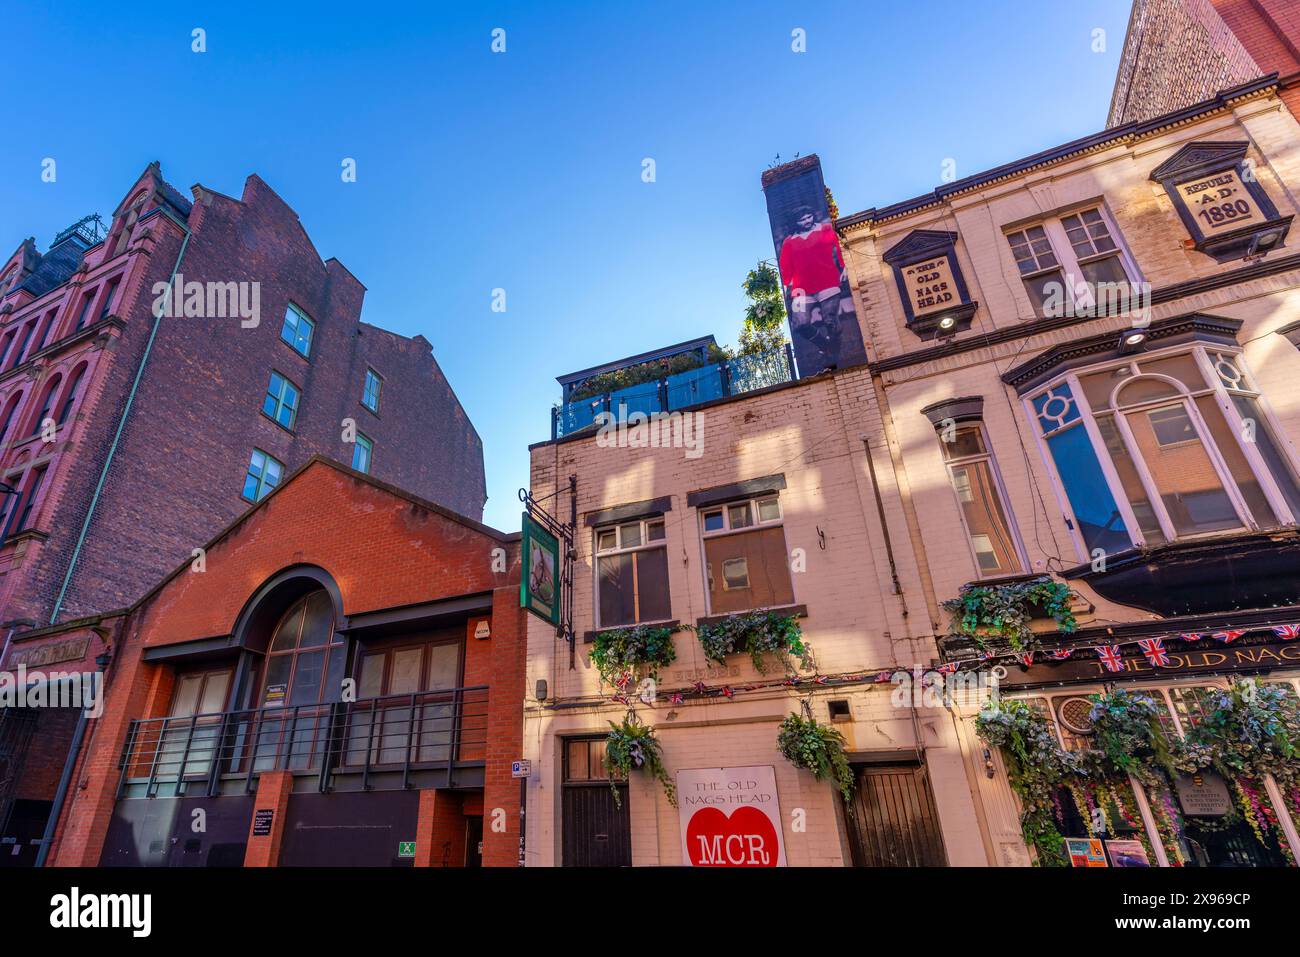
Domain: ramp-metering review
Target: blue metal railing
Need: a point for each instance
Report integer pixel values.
(679, 391)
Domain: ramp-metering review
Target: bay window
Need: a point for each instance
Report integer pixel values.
(1165, 446)
(632, 574)
(745, 560)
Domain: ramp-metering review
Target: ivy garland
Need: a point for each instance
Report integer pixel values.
(1249, 731)
(1036, 766)
(818, 748)
(619, 650)
(1003, 612)
(631, 746)
(756, 633)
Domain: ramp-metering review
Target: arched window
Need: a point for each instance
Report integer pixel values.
(304, 664)
(47, 404)
(7, 417)
(21, 351)
(71, 392)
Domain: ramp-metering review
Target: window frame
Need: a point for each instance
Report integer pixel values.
(999, 489)
(1068, 262)
(259, 494)
(1222, 397)
(371, 374)
(364, 440)
(301, 316)
(753, 501)
(619, 548)
(280, 403)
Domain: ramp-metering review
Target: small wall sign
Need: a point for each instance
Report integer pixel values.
(263, 819)
(405, 849)
(521, 769)
(1218, 196)
(730, 817)
(1203, 795)
(930, 283)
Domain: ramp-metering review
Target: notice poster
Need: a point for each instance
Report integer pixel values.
(730, 817)
(1127, 854)
(1085, 852)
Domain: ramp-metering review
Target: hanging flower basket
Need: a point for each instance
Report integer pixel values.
(632, 746)
(1001, 614)
(617, 651)
(755, 633)
(817, 748)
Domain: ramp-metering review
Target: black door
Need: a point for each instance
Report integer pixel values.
(892, 819)
(597, 831)
(1231, 846)
(473, 842)
(21, 840)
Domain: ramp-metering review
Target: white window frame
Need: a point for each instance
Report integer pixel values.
(999, 489)
(753, 501)
(620, 549)
(1069, 265)
(1217, 388)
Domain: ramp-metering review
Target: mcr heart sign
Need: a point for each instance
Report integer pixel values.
(730, 817)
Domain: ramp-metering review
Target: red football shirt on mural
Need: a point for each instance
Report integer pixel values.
(811, 261)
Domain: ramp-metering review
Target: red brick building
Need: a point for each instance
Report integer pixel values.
(1180, 52)
(128, 438)
(340, 683)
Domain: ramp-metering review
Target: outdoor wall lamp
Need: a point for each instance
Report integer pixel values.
(1132, 340)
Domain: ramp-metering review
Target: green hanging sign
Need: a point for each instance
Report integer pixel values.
(539, 582)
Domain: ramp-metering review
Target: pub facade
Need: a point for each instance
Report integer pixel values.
(1099, 436)
(1032, 468)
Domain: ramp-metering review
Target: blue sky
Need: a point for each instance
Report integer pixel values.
(522, 170)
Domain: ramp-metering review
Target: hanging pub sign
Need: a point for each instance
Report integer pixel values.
(930, 283)
(823, 321)
(539, 584)
(1217, 195)
(1203, 794)
(730, 817)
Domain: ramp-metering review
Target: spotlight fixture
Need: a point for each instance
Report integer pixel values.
(1132, 340)
(1264, 241)
(947, 322)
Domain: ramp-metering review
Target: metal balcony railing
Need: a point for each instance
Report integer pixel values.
(427, 730)
(679, 391)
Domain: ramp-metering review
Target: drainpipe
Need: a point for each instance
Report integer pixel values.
(121, 422)
(74, 750)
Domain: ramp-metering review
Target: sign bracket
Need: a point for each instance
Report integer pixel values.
(564, 532)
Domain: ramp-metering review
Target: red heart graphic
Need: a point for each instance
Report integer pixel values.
(746, 839)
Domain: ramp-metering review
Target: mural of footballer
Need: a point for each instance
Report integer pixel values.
(823, 321)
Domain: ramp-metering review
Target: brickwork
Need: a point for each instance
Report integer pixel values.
(179, 465)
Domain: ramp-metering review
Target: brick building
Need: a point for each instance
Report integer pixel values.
(854, 502)
(130, 438)
(348, 654)
(1180, 52)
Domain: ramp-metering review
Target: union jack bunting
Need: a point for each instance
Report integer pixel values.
(1227, 636)
(821, 679)
(948, 668)
(884, 676)
(985, 655)
(623, 680)
(675, 698)
(1287, 632)
(1060, 654)
(726, 690)
(1191, 636)
(1026, 659)
(1109, 655)
(1154, 649)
